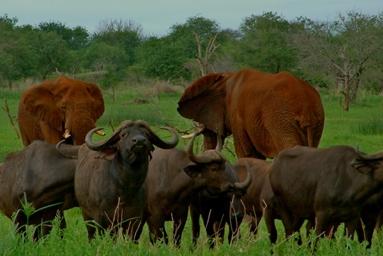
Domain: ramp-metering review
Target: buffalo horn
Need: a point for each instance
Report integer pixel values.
(206, 157)
(70, 151)
(246, 183)
(156, 140)
(219, 143)
(106, 143)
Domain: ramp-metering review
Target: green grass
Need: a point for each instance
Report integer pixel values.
(360, 127)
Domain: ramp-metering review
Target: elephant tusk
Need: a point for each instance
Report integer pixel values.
(187, 136)
(100, 132)
(66, 134)
(198, 131)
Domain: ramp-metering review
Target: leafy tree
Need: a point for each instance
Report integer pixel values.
(265, 43)
(346, 47)
(162, 58)
(17, 59)
(76, 38)
(169, 57)
(124, 35)
(52, 53)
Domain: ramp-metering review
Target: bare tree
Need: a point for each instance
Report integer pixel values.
(345, 46)
(204, 58)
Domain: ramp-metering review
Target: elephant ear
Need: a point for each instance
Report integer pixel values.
(98, 104)
(204, 102)
(40, 103)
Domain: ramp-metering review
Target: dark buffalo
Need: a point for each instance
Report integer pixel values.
(110, 175)
(330, 186)
(259, 193)
(174, 177)
(42, 177)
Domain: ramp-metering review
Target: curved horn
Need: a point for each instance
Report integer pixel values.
(70, 152)
(106, 143)
(206, 157)
(156, 140)
(219, 143)
(246, 183)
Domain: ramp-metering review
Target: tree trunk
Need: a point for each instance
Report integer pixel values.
(346, 93)
(113, 93)
(354, 90)
(10, 84)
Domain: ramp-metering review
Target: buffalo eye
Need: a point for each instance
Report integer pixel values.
(124, 134)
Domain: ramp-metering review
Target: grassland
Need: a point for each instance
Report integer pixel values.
(361, 127)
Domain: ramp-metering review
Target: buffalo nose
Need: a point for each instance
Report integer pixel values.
(139, 139)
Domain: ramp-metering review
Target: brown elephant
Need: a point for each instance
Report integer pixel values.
(57, 109)
(265, 112)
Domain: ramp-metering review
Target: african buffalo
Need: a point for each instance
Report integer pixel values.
(174, 177)
(57, 109)
(42, 177)
(330, 186)
(266, 113)
(259, 194)
(110, 175)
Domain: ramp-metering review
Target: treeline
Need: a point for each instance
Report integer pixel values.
(342, 55)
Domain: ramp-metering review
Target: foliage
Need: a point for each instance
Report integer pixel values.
(162, 58)
(265, 45)
(75, 38)
(341, 55)
(120, 34)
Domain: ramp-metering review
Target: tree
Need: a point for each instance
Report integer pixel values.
(121, 34)
(204, 56)
(52, 53)
(162, 58)
(169, 57)
(17, 59)
(265, 43)
(76, 38)
(346, 47)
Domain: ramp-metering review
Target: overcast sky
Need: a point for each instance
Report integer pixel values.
(157, 16)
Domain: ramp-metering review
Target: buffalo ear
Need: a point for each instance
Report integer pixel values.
(367, 163)
(192, 170)
(204, 102)
(39, 102)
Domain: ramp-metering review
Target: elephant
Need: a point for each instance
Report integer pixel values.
(57, 109)
(264, 112)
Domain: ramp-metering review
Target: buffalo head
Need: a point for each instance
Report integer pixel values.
(132, 140)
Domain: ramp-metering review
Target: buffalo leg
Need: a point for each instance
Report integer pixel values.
(194, 214)
(178, 228)
(269, 220)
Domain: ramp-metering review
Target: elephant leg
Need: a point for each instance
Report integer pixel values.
(285, 133)
(243, 145)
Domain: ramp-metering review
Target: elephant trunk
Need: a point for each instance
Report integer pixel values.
(77, 127)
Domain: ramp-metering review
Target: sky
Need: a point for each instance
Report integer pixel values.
(157, 16)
